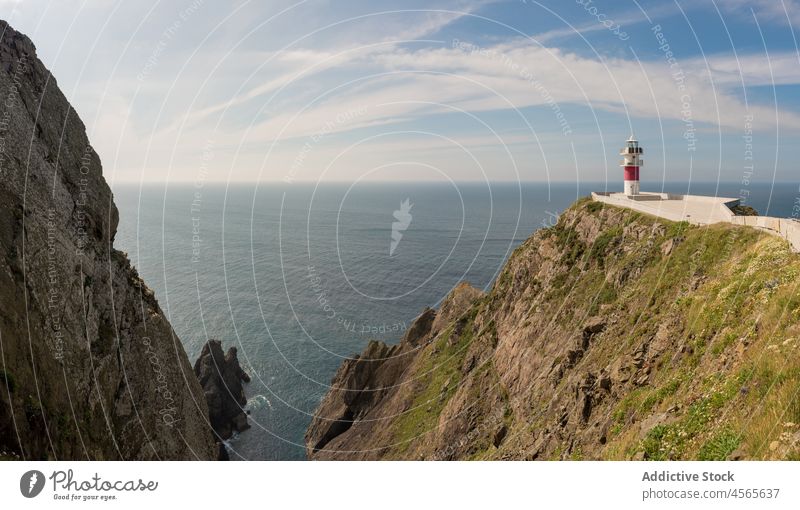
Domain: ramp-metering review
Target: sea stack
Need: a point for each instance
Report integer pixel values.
(221, 377)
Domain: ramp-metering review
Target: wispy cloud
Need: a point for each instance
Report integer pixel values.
(494, 79)
(779, 68)
(393, 85)
(304, 63)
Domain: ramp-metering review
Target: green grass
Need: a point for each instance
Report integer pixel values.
(442, 364)
(606, 241)
(677, 229)
(673, 441)
(606, 295)
(726, 293)
(722, 345)
(725, 284)
(719, 446)
(594, 207)
(659, 395)
(653, 444)
(628, 406)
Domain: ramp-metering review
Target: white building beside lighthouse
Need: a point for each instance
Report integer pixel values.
(631, 162)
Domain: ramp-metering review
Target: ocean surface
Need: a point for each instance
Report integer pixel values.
(299, 277)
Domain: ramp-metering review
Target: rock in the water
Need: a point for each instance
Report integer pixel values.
(221, 378)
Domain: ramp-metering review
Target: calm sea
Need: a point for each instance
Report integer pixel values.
(299, 277)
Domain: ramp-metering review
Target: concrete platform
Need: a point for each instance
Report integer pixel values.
(700, 210)
(696, 209)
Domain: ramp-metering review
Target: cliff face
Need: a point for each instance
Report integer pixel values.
(89, 366)
(364, 386)
(612, 335)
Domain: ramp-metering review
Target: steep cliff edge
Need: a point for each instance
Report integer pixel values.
(90, 368)
(612, 335)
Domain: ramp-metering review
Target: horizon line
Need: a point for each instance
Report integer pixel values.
(305, 182)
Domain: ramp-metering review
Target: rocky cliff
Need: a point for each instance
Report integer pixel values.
(90, 368)
(612, 335)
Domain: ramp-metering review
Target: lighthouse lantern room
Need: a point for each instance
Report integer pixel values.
(631, 161)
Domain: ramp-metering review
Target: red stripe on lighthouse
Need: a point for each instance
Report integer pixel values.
(631, 173)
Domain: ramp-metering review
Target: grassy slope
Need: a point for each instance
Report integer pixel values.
(726, 300)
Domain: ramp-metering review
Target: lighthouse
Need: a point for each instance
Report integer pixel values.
(631, 161)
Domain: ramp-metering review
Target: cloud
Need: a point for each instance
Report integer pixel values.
(377, 32)
(400, 84)
(386, 87)
(777, 68)
(258, 88)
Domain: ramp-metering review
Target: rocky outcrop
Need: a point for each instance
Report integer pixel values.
(363, 384)
(612, 335)
(221, 378)
(90, 368)
(744, 210)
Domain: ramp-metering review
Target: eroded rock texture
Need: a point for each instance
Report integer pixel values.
(611, 335)
(221, 378)
(90, 368)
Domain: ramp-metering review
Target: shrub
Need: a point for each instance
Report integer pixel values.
(594, 207)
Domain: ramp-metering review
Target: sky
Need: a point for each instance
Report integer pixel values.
(461, 90)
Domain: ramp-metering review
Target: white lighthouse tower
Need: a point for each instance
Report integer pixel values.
(631, 161)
